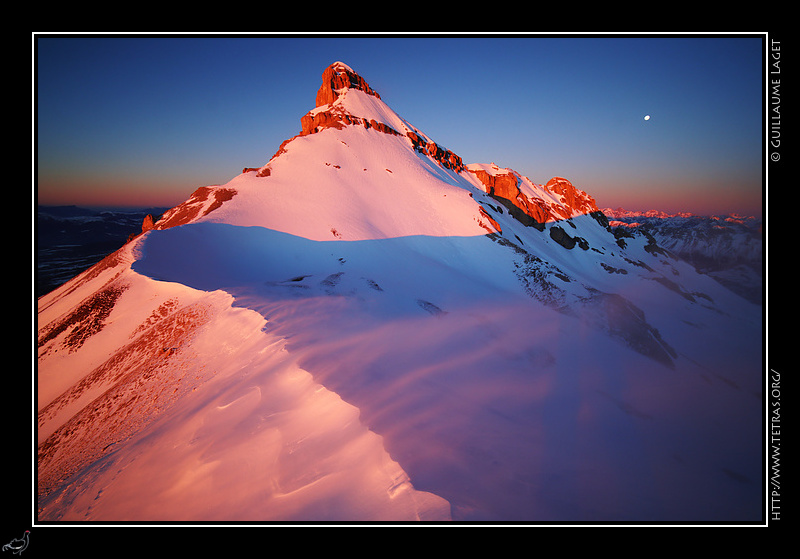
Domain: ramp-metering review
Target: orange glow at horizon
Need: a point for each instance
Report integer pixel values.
(114, 191)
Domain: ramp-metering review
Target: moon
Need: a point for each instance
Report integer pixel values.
(647, 117)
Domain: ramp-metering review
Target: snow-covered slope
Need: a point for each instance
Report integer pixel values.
(365, 328)
(727, 248)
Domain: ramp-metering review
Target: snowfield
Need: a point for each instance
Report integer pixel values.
(350, 339)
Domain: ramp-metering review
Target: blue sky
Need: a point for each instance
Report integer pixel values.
(146, 120)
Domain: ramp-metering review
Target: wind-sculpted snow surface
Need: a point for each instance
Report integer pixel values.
(508, 406)
(360, 330)
(199, 414)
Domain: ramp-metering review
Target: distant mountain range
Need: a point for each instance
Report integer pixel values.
(70, 239)
(728, 248)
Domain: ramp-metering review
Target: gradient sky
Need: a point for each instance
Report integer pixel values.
(146, 120)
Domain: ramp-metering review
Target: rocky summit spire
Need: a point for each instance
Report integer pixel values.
(335, 79)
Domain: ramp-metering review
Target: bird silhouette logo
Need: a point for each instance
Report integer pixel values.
(18, 545)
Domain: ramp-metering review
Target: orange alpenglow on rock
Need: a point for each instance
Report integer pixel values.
(336, 78)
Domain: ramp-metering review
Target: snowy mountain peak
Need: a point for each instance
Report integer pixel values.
(360, 142)
(346, 99)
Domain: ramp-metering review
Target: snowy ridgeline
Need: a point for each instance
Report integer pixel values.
(361, 381)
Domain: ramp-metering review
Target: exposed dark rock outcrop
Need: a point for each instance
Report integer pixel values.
(561, 237)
